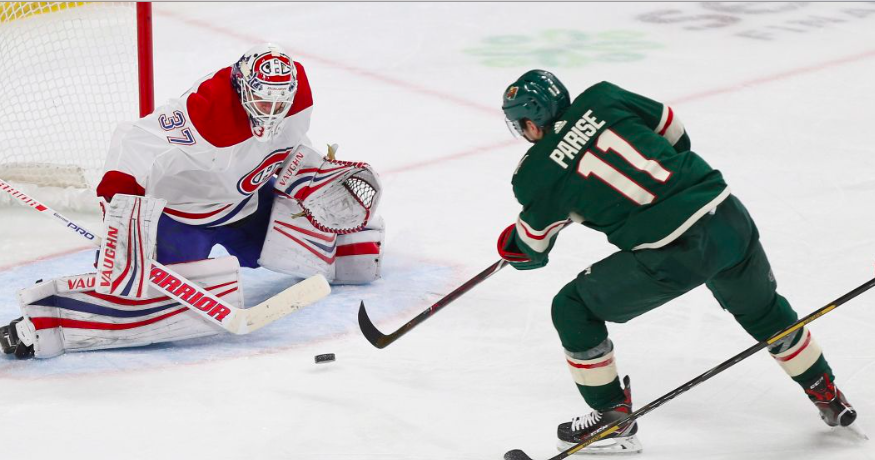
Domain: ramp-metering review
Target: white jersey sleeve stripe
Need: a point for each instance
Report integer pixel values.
(670, 126)
(539, 240)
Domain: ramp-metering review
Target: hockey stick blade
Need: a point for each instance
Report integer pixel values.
(288, 301)
(606, 430)
(380, 340)
(377, 338)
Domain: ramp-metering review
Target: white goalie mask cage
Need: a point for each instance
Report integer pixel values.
(266, 79)
(342, 197)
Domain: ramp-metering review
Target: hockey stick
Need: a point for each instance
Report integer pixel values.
(380, 340)
(213, 309)
(603, 432)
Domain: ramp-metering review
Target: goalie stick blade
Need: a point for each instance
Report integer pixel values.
(377, 338)
(288, 301)
(516, 454)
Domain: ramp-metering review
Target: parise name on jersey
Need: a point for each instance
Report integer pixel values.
(576, 138)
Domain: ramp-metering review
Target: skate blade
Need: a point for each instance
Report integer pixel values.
(625, 445)
(853, 432)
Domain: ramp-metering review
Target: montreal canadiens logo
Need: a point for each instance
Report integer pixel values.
(252, 181)
(273, 69)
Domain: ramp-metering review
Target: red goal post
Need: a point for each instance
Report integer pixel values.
(71, 71)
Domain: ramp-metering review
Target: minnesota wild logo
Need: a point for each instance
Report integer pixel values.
(562, 48)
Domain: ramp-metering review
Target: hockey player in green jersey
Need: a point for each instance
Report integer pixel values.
(621, 164)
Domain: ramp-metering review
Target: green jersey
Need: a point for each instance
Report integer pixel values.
(618, 163)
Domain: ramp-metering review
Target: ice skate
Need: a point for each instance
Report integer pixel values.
(10, 342)
(623, 441)
(834, 409)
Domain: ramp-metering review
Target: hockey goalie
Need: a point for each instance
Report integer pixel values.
(228, 164)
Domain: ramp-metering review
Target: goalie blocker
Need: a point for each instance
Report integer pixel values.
(124, 260)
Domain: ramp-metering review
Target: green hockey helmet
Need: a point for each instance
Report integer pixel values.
(538, 96)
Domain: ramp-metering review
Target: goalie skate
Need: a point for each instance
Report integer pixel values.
(10, 342)
(622, 441)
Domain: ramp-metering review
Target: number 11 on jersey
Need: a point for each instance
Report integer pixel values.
(607, 142)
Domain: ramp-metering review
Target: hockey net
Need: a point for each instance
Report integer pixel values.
(68, 75)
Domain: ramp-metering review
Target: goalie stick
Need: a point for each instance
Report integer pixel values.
(190, 295)
(380, 340)
(518, 454)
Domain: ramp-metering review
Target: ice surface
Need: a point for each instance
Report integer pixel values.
(777, 96)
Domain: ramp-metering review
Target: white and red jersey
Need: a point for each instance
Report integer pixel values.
(198, 153)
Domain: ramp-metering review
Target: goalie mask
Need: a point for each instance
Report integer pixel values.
(266, 80)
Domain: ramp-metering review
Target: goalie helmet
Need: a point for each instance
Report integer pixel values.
(538, 96)
(266, 80)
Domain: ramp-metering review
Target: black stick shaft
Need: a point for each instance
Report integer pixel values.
(380, 340)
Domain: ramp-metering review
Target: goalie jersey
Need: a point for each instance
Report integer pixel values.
(618, 163)
(198, 153)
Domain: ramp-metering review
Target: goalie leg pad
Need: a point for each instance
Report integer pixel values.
(67, 314)
(294, 246)
(359, 254)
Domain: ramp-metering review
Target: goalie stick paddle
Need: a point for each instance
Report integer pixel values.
(518, 454)
(213, 309)
(380, 340)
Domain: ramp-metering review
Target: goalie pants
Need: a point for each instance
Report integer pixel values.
(722, 250)
(178, 242)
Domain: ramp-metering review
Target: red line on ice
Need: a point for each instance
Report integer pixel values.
(249, 39)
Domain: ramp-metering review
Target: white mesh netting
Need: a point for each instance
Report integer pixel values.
(68, 75)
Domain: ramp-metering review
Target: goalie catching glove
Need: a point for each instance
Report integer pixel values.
(337, 196)
(323, 219)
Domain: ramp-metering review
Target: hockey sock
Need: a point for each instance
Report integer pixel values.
(595, 373)
(801, 357)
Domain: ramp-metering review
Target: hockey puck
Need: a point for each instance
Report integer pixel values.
(326, 358)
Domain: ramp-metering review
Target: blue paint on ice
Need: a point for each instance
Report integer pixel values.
(406, 284)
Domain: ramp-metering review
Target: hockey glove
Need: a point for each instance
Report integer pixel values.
(509, 251)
